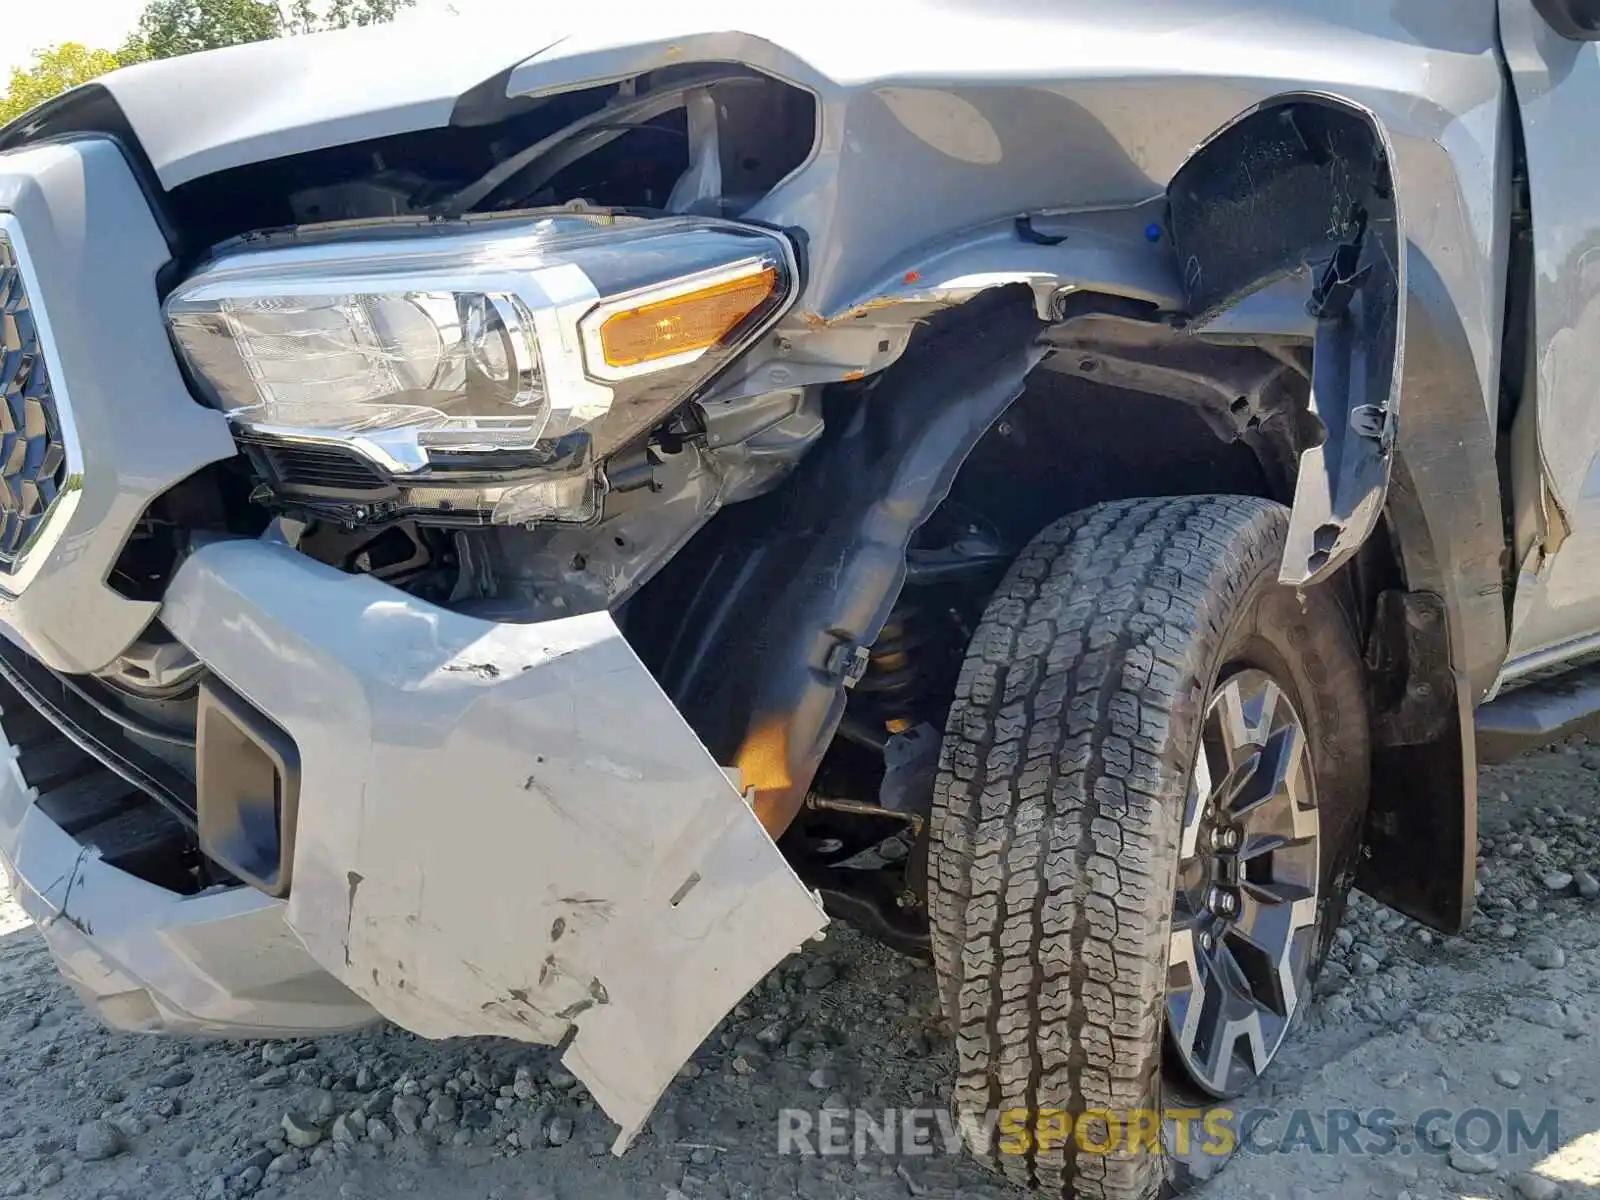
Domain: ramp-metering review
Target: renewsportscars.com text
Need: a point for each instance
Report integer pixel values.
(1220, 1132)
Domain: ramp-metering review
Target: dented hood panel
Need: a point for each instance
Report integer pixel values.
(503, 830)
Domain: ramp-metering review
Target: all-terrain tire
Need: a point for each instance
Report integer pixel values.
(1062, 782)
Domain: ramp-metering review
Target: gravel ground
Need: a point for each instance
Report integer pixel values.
(1503, 1017)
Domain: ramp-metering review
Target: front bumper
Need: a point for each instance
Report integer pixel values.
(502, 829)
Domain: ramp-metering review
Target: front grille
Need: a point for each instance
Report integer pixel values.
(33, 459)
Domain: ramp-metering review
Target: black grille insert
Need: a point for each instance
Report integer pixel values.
(298, 469)
(33, 459)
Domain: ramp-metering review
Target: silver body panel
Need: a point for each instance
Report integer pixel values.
(92, 252)
(1558, 89)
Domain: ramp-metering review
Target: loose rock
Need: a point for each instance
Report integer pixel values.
(377, 1132)
(1536, 1187)
(1472, 1164)
(258, 1160)
(100, 1140)
(1545, 954)
(1539, 1012)
(1506, 1077)
(559, 1132)
(444, 1110)
(819, 976)
(407, 1112)
(175, 1078)
(298, 1131)
(1438, 1027)
(1558, 881)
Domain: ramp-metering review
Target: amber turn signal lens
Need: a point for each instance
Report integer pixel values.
(693, 321)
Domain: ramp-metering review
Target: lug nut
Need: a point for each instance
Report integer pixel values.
(1205, 941)
(1214, 899)
(1227, 903)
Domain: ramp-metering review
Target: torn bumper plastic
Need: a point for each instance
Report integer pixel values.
(503, 829)
(146, 959)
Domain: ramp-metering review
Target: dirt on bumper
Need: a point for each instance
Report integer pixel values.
(503, 829)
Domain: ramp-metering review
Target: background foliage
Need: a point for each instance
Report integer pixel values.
(168, 28)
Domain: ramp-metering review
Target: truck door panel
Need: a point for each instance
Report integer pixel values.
(1556, 615)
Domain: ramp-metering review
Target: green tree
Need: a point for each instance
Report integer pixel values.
(53, 71)
(344, 13)
(171, 27)
(306, 16)
(168, 28)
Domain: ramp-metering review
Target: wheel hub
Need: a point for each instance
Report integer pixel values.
(1244, 913)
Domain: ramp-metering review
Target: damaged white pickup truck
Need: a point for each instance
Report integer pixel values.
(501, 526)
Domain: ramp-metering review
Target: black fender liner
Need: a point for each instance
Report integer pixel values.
(1303, 185)
(778, 618)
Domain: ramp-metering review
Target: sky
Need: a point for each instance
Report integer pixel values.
(99, 24)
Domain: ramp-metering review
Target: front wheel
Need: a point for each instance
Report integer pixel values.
(1149, 804)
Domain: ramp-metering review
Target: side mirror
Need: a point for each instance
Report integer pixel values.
(1575, 19)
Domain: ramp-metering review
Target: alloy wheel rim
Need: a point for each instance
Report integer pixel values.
(1249, 872)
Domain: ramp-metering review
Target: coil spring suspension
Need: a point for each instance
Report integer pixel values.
(893, 677)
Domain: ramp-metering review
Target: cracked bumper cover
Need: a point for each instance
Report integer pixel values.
(503, 830)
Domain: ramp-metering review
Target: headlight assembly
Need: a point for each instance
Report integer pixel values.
(507, 347)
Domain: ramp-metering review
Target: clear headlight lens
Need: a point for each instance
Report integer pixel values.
(541, 343)
(450, 368)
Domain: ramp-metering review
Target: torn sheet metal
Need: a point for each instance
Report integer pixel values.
(504, 830)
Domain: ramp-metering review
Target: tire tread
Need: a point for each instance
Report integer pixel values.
(1054, 843)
